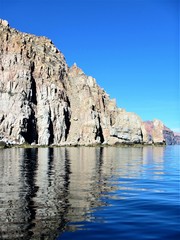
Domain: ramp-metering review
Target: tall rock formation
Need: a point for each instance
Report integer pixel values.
(43, 101)
(34, 101)
(95, 117)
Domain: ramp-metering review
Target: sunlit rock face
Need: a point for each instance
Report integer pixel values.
(95, 117)
(156, 132)
(43, 101)
(34, 102)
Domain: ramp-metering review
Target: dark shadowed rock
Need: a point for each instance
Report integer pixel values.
(177, 138)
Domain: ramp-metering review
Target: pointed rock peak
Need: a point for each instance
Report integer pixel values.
(76, 70)
(74, 66)
(158, 122)
(4, 23)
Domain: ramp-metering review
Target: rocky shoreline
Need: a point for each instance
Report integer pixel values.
(4, 145)
(44, 102)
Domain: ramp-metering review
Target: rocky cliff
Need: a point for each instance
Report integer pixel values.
(177, 138)
(156, 132)
(43, 101)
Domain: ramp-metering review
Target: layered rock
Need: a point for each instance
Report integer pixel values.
(43, 101)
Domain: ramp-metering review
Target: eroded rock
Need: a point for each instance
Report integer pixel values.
(43, 101)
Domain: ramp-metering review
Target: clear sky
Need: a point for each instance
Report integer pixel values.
(131, 47)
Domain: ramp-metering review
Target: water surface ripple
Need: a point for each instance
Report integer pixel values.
(88, 193)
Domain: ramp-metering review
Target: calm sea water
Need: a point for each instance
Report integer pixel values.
(88, 193)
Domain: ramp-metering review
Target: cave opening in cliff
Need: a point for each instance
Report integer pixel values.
(99, 132)
(51, 131)
(30, 134)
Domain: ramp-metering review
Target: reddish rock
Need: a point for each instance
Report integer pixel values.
(156, 132)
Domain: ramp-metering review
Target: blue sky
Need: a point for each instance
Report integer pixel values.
(131, 47)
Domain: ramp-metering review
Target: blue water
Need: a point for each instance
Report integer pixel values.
(90, 193)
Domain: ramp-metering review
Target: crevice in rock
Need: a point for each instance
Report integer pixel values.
(33, 89)
(51, 132)
(30, 133)
(67, 122)
(68, 102)
(33, 97)
(2, 118)
(67, 117)
(141, 135)
(99, 132)
(93, 108)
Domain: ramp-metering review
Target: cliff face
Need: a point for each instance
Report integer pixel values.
(156, 132)
(95, 117)
(34, 102)
(43, 101)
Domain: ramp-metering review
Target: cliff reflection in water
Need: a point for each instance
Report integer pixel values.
(44, 190)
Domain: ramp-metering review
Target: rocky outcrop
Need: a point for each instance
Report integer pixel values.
(43, 101)
(156, 132)
(177, 138)
(95, 117)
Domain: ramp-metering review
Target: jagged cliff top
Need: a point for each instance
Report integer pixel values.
(4, 23)
(39, 40)
(44, 101)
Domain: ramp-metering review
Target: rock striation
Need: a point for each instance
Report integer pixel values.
(44, 102)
